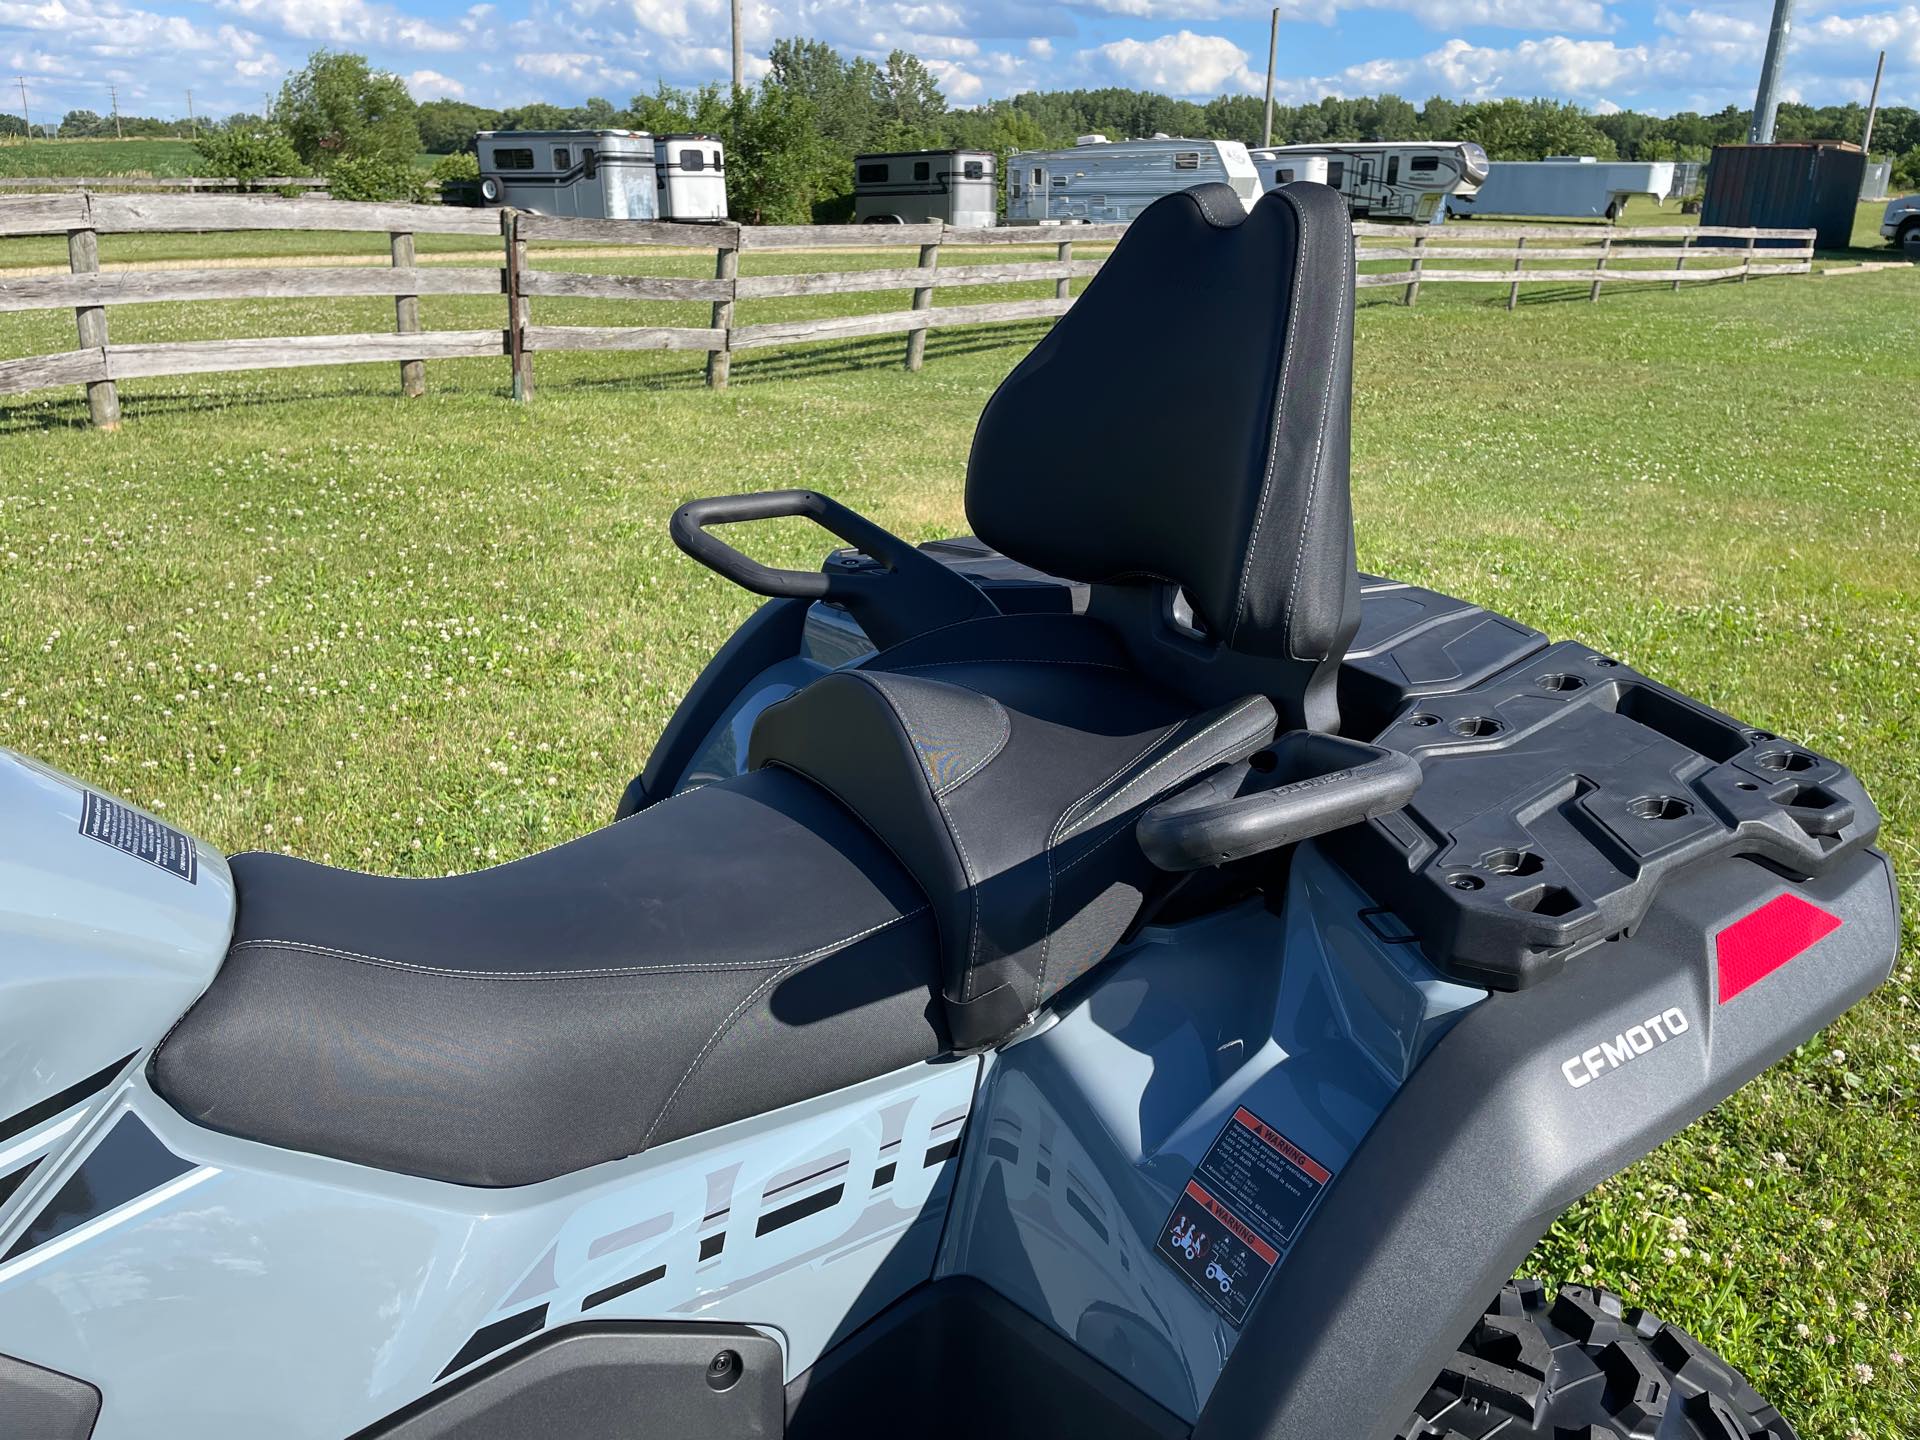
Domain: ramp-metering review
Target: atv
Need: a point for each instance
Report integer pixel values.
(1125, 974)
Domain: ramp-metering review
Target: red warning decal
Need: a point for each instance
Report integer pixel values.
(1240, 1211)
(1759, 943)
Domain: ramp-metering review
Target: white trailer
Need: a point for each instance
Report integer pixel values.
(1384, 180)
(600, 174)
(911, 187)
(1568, 187)
(690, 176)
(1102, 182)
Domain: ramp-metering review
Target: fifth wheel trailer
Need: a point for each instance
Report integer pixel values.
(1384, 180)
(1099, 181)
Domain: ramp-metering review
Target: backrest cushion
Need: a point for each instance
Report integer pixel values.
(1187, 421)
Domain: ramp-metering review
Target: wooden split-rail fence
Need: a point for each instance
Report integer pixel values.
(527, 274)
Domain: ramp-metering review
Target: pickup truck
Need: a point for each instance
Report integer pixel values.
(1901, 224)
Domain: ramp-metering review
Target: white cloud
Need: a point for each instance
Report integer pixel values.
(432, 85)
(576, 68)
(1590, 16)
(1556, 65)
(1182, 63)
(358, 22)
(1040, 48)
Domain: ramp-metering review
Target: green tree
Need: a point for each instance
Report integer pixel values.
(908, 105)
(447, 127)
(340, 108)
(1533, 130)
(778, 165)
(247, 155)
(77, 124)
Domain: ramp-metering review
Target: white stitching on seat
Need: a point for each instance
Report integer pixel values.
(601, 972)
(1313, 472)
(1279, 410)
(1241, 709)
(727, 1024)
(953, 834)
(1046, 922)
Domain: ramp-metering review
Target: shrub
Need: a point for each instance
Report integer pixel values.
(368, 178)
(247, 155)
(456, 177)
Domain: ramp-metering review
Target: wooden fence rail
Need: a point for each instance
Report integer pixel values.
(190, 184)
(1433, 255)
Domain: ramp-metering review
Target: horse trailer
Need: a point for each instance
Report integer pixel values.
(690, 174)
(1101, 182)
(1568, 187)
(600, 174)
(1386, 180)
(911, 187)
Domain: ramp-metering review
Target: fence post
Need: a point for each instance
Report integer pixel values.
(1513, 290)
(406, 316)
(922, 300)
(1413, 285)
(1746, 268)
(1063, 287)
(522, 360)
(83, 258)
(1606, 249)
(1680, 263)
(726, 268)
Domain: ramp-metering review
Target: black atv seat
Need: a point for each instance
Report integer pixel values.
(929, 847)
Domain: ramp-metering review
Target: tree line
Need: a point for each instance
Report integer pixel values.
(791, 139)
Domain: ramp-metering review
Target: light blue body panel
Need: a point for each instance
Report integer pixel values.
(304, 1298)
(1086, 1133)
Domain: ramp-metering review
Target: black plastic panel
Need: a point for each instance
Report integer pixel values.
(1561, 793)
(610, 1381)
(1419, 642)
(956, 1360)
(40, 1404)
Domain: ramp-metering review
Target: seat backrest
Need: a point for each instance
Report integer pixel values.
(1186, 425)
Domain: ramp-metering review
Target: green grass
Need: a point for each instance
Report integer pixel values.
(152, 157)
(293, 611)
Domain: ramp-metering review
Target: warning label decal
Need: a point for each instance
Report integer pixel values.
(1240, 1212)
(140, 836)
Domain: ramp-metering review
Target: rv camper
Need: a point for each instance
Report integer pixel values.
(914, 186)
(690, 176)
(601, 174)
(1568, 187)
(1100, 182)
(1386, 180)
(1275, 171)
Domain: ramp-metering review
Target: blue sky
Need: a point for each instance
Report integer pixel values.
(1664, 56)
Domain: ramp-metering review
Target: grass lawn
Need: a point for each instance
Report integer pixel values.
(294, 611)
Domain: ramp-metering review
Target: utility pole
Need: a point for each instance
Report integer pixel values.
(24, 115)
(113, 93)
(739, 55)
(193, 129)
(1273, 45)
(1873, 102)
(1767, 100)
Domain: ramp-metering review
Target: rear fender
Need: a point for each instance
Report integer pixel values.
(1531, 1100)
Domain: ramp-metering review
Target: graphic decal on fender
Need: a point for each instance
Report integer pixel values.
(140, 836)
(1761, 941)
(1630, 1044)
(1240, 1212)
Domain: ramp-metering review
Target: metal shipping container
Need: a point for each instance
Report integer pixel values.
(1802, 185)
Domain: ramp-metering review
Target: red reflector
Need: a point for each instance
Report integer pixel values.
(1756, 945)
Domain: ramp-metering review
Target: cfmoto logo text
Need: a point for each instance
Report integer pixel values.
(1631, 1043)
